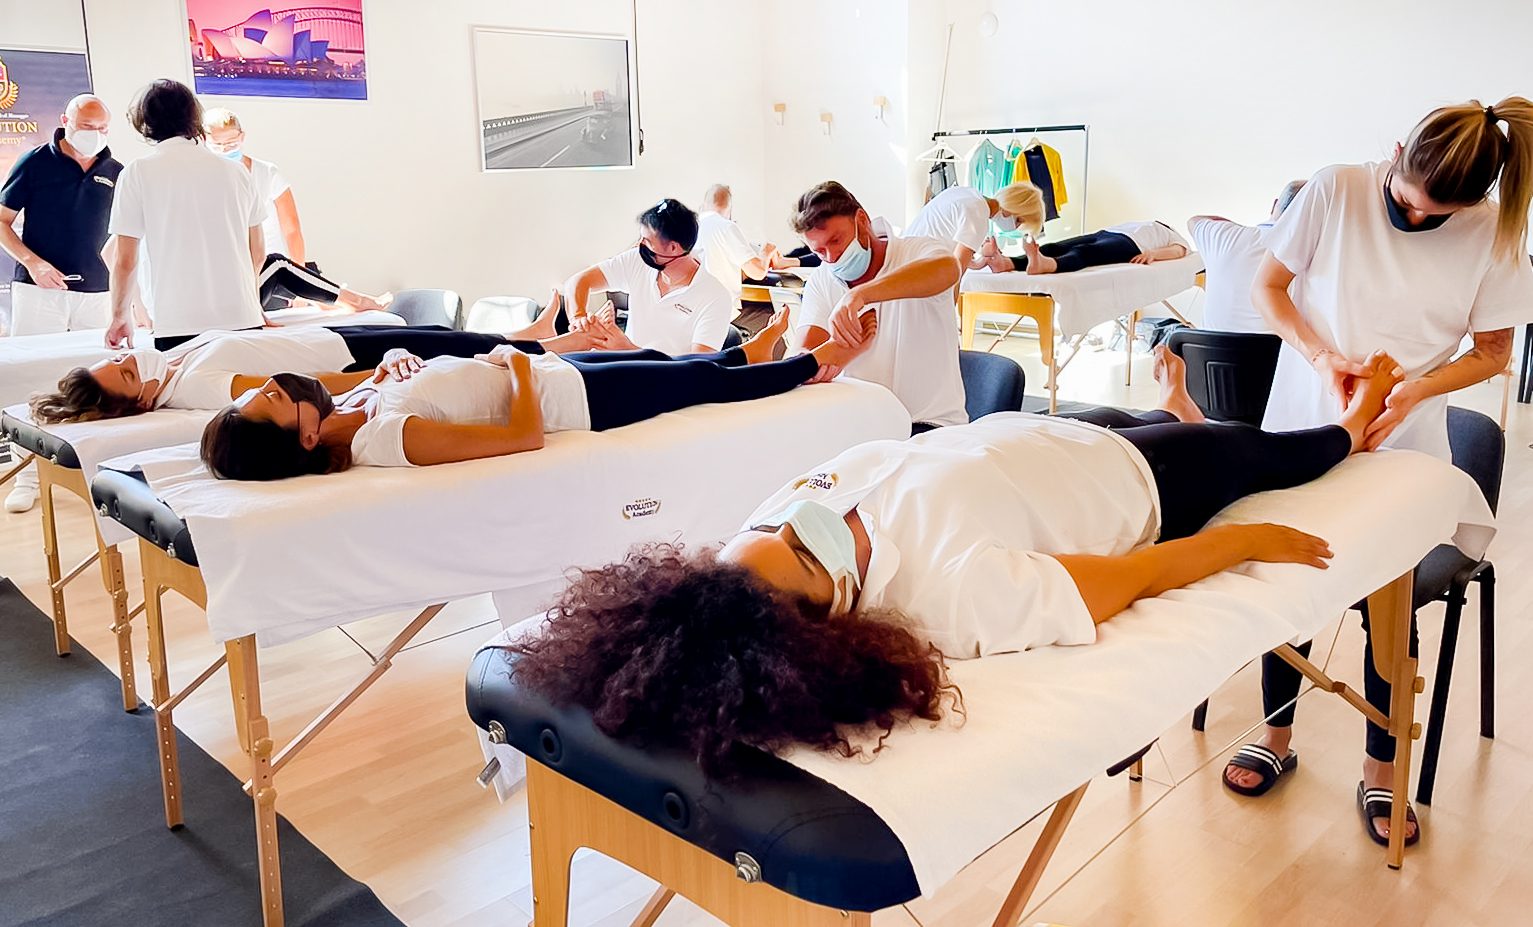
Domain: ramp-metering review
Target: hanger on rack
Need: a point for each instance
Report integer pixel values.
(938, 153)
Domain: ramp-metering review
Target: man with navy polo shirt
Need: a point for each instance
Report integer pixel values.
(64, 190)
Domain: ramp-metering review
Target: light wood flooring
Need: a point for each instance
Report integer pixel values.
(389, 793)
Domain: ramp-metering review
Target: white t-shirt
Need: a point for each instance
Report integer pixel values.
(463, 391)
(270, 184)
(965, 523)
(1232, 254)
(1149, 235)
(1364, 285)
(723, 250)
(915, 353)
(210, 362)
(959, 215)
(194, 210)
(697, 313)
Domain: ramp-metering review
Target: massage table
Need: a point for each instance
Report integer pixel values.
(67, 456)
(1067, 306)
(810, 838)
(510, 525)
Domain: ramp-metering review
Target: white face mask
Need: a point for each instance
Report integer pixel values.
(1005, 223)
(828, 538)
(152, 368)
(87, 142)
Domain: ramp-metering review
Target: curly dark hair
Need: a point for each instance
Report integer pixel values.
(79, 398)
(670, 649)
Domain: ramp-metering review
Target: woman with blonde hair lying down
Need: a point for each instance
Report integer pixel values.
(838, 602)
(501, 403)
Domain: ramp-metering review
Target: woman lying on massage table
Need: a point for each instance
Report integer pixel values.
(217, 366)
(837, 604)
(1129, 243)
(455, 409)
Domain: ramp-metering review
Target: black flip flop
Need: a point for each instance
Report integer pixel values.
(1377, 803)
(1264, 762)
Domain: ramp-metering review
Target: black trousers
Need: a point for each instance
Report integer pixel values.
(1092, 250)
(281, 280)
(1201, 468)
(623, 387)
(368, 343)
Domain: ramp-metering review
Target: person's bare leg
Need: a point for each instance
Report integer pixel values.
(759, 349)
(362, 302)
(569, 342)
(1037, 261)
(1367, 401)
(1171, 373)
(542, 327)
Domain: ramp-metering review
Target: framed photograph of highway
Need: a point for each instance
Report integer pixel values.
(552, 100)
(247, 48)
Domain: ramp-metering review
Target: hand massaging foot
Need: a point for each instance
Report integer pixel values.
(1368, 397)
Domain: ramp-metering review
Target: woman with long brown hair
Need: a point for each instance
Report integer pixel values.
(1407, 256)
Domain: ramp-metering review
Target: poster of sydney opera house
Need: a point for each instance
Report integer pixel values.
(245, 48)
(553, 100)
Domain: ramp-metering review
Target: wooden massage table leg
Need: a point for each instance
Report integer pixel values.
(160, 574)
(1043, 851)
(46, 475)
(122, 618)
(245, 685)
(1036, 306)
(1128, 346)
(565, 816)
(20, 465)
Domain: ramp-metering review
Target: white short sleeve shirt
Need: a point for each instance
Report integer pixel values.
(205, 377)
(1149, 235)
(1364, 285)
(915, 353)
(959, 215)
(966, 523)
(270, 184)
(194, 211)
(697, 313)
(723, 250)
(1232, 254)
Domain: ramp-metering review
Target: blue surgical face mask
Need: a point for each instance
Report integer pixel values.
(830, 540)
(853, 262)
(234, 155)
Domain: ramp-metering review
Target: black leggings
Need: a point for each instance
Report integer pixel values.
(281, 280)
(368, 343)
(1091, 250)
(623, 387)
(1281, 682)
(1201, 468)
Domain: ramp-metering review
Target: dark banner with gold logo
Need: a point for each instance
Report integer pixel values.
(34, 88)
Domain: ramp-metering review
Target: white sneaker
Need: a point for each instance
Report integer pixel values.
(21, 499)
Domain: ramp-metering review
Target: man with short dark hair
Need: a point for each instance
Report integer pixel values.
(674, 306)
(907, 281)
(63, 190)
(199, 216)
(1232, 253)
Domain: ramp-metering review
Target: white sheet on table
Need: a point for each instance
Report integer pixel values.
(33, 363)
(293, 557)
(1084, 299)
(1041, 723)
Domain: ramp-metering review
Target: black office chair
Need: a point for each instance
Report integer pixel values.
(733, 337)
(1229, 374)
(991, 383)
(1444, 575)
(428, 307)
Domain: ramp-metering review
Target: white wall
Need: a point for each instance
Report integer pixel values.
(390, 190)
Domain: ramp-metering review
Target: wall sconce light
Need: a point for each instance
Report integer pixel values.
(827, 119)
(879, 103)
(781, 110)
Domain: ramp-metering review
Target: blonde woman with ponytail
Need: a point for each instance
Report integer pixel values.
(1405, 256)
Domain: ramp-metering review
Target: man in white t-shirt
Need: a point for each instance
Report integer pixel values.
(201, 217)
(723, 247)
(907, 281)
(1232, 253)
(674, 306)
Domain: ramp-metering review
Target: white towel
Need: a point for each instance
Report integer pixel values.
(1084, 299)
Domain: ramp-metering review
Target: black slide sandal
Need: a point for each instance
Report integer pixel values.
(1377, 803)
(1260, 760)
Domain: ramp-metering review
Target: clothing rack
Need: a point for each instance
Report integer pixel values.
(1085, 131)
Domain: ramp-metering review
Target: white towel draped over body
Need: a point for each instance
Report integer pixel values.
(1084, 299)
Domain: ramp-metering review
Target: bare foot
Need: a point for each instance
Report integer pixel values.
(1367, 402)
(1171, 373)
(1037, 263)
(542, 327)
(1377, 775)
(759, 349)
(833, 355)
(1276, 739)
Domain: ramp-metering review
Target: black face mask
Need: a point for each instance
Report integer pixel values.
(300, 388)
(1397, 213)
(648, 256)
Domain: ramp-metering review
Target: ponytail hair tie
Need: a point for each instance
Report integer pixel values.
(1490, 115)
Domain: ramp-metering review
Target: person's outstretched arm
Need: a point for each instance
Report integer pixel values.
(1111, 584)
(1269, 294)
(926, 277)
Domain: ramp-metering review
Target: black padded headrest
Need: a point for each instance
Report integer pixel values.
(49, 447)
(127, 498)
(811, 839)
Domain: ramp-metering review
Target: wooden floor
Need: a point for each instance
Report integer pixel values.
(389, 793)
